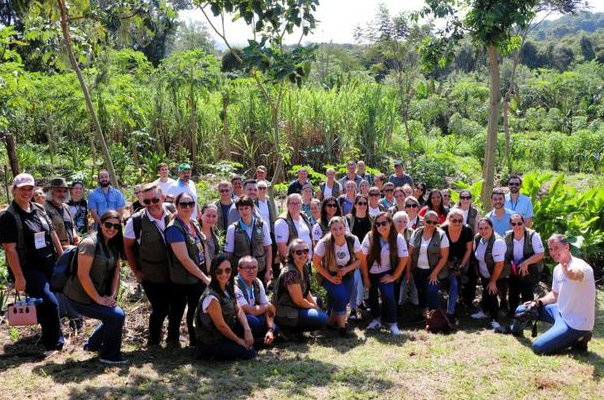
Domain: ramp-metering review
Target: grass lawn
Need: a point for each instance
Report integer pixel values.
(472, 363)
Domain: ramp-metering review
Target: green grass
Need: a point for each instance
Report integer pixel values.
(472, 363)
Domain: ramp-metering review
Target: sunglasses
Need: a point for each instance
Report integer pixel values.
(109, 225)
(224, 190)
(154, 200)
(262, 188)
(513, 184)
(221, 271)
(516, 223)
(374, 194)
(430, 222)
(185, 204)
(331, 205)
(411, 205)
(381, 223)
(465, 197)
(362, 203)
(456, 221)
(300, 252)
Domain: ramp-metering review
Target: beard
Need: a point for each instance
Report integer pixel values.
(104, 183)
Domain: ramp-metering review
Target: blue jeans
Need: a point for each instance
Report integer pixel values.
(427, 294)
(107, 337)
(357, 293)
(258, 326)
(36, 285)
(310, 319)
(453, 292)
(558, 337)
(226, 349)
(386, 291)
(408, 288)
(339, 294)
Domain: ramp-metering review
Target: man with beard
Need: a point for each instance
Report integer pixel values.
(517, 202)
(147, 257)
(57, 195)
(104, 198)
(499, 214)
(185, 184)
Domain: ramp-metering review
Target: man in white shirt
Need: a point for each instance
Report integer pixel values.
(164, 181)
(185, 184)
(570, 306)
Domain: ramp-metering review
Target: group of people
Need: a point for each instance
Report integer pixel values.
(374, 243)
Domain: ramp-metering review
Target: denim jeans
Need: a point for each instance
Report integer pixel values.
(453, 292)
(427, 294)
(558, 337)
(226, 349)
(107, 337)
(258, 326)
(357, 294)
(36, 285)
(386, 292)
(339, 294)
(408, 288)
(311, 319)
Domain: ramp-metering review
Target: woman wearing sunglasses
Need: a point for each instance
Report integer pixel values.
(525, 250)
(429, 249)
(403, 287)
(470, 212)
(92, 292)
(383, 263)
(297, 309)
(412, 207)
(359, 222)
(187, 262)
(460, 249)
(336, 258)
(375, 205)
(221, 328)
(419, 192)
(329, 208)
(469, 276)
(490, 249)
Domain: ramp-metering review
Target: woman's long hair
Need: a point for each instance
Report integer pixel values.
(375, 243)
(116, 243)
(338, 213)
(356, 200)
(442, 210)
(230, 286)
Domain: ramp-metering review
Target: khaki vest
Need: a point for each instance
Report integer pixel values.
(65, 237)
(488, 256)
(293, 232)
(255, 287)
(287, 310)
(433, 249)
(527, 251)
(205, 330)
(244, 246)
(152, 250)
(178, 273)
(335, 189)
(331, 265)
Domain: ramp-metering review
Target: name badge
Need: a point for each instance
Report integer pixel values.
(40, 240)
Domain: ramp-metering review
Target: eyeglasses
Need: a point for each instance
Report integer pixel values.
(430, 222)
(411, 205)
(381, 223)
(333, 205)
(154, 200)
(514, 184)
(225, 190)
(109, 225)
(456, 221)
(221, 271)
(294, 203)
(300, 252)
(249, 268)
(465, 197)
(374, 194)
(362, 203)
(262, 188)
(517, 223)
(447, 196)
(185, 204)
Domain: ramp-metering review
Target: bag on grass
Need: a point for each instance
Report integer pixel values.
(438, 322)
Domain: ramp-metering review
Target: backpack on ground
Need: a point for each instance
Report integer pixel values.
(438, 322)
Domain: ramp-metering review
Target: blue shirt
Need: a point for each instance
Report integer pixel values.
(501, 226)
(102, 202)
(524, 205)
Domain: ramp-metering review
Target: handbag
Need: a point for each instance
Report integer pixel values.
(23, 312)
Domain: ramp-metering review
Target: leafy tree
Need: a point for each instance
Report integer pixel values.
(193, 35)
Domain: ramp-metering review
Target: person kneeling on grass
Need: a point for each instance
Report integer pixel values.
(219, 321)
(252, 299)
(570, 306)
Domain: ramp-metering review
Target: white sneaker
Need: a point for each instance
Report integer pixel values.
(394, 330)
(495, 325)
(479, 315)
(375, 324)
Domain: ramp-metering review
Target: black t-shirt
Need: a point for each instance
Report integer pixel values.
(361, 227)
(295, 187)
(458, 249)
(32, 224)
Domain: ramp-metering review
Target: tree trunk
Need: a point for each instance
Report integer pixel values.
(11, 150)
(51, 147)
(226, 131)
(89, 105)
(488, 171)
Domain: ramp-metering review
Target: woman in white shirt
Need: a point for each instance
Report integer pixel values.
(489, 249)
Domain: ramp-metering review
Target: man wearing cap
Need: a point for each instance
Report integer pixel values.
(147, 256)
(30, 243)
(261, 173)
(351, 174)
(185, 184)
(164, 181)
(399, 178)
(104, 198)
(57, 195)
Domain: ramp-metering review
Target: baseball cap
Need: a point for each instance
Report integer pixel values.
(23, 180)
(183, 167)
(397, 163)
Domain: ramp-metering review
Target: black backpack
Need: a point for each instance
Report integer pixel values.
(66, 267)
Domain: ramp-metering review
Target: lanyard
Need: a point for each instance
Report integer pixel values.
(248, 289)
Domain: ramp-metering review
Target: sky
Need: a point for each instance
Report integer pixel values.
(337, 19)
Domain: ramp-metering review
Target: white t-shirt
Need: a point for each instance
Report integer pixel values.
(414, 221)
(374, 211)
(422, 260)
(164, 186)
(243, 302)
(519, 247)
(159, 223)
(179, 187)
(317, 233)
(499, 249)
(282, 232)
(385, 253)
(263, 210)
(576, 299)
(342, 253)
(327, 191)
(229, 245)
(208, 300)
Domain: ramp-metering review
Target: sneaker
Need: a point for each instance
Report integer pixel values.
(353, 316)
(394, 330)
(118, 361)
(495, 325)
(375, 324)
(581, 345)
(479, 315)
